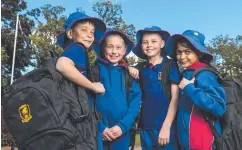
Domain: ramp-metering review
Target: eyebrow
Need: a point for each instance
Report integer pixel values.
(188, 49)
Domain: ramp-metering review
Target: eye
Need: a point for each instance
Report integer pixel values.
(153, 41)
(84, 30)
(144, 42)
(187, 52)
(178, 52)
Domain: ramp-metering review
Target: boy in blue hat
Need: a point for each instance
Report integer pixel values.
(158, 111)
(81, 33)
(119, 105)
(206, 96)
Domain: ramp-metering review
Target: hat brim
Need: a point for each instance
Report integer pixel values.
(137, 50)
(171, 47)
(128, 42)
(100, 29)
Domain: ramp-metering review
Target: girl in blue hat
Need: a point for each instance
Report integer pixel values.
(119, 106)
(81, 33)
(206, 95)
(158, 111)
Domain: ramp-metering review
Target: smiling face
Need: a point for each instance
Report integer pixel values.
(82, 32)
(151, 44)
(185, 54)
(114, 48)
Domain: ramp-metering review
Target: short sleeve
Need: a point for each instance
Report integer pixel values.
(77, 54)
(174, 74)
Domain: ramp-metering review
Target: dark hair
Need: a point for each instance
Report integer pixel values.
(185, 43)
(103, 43)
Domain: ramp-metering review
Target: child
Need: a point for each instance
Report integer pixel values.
(207, 95)
(118, 106)
(157, 122)
(81, 32)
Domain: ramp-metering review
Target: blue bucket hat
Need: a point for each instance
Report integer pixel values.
(154, 29)
(127, 40)
(100, 27)
(195, 38)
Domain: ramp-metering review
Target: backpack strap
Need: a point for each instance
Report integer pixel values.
(207, 68)
(205, 114)
(165, 81)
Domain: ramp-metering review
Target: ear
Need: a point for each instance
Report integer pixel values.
(162, 44)
(69, 34)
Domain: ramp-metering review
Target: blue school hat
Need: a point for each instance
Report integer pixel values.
(154, 29)
(100, 27)
(127, 40)
(195, 38)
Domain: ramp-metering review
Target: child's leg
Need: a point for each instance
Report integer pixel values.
(121, 143)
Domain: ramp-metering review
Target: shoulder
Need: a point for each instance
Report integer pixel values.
(206, 77)
(75, 47)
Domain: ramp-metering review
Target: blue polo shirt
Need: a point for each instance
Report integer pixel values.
(154, 101)
(76, 52)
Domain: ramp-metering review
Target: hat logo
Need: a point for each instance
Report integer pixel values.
(195, 33)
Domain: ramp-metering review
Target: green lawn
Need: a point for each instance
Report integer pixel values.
(137, 139)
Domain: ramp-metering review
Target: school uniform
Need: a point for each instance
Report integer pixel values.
(115, 106)
(205, 95)
(155, 103)
(155, 106)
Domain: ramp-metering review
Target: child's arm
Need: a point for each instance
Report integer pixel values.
(67, 67)
(164, 135)
(208, 94)
(134, 72)
(134, 98)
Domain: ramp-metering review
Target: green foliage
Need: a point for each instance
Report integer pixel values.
(44, 36)
(9, 12)
(111, 14)
(227, 54)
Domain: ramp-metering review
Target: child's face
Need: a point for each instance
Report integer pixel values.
(151, 44)
(186, 56)
(83, 33)
(114, 49)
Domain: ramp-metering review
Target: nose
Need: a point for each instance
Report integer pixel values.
(89, 35)
(183, 56)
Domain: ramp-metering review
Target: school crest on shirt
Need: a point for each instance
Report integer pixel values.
(25, 114)
(159, 75)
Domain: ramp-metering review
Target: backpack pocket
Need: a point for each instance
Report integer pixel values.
(28, 111)
(50, 140)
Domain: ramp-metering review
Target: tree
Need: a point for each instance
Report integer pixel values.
(228, 54)
(44, 36)
(10, 9)
(111, 14)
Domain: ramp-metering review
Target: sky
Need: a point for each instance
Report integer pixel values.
(210, 17)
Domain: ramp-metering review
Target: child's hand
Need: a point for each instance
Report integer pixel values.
(184, 82)
(108, 135)
(134, 72)
(164, 135)
(116, 131)
(98, 88)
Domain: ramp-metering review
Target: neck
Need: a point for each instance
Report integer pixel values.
(156, 60)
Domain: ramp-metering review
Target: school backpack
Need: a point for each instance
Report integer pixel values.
(231, 121)
(45, 111)
(95, 76)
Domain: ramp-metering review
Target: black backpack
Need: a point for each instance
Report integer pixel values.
(95, 76)
(231, 121)
(45, 111)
